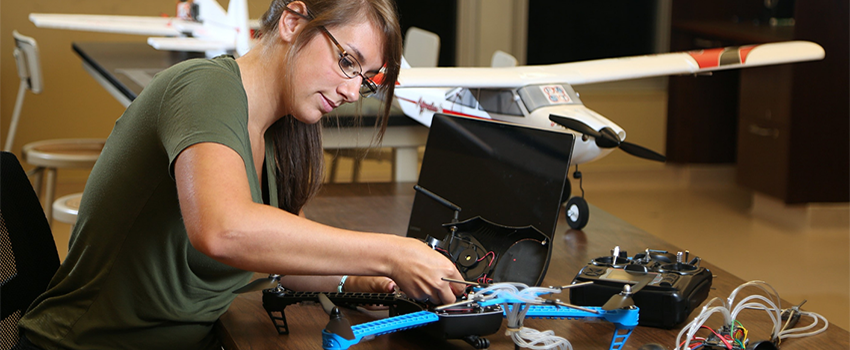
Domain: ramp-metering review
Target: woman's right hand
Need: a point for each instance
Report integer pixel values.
(419, 271)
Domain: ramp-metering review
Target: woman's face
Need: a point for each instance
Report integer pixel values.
(318, 83)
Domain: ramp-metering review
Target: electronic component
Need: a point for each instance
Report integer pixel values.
(732, 335)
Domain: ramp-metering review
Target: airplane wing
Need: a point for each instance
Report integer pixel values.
(612, 69)
(139, 25)
(190, 44)
(218, 35)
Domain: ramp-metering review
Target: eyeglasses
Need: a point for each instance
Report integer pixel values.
(350, 66)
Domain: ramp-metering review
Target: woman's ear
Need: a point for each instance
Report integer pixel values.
(291, 23)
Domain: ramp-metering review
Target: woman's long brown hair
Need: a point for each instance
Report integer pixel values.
(299, 159)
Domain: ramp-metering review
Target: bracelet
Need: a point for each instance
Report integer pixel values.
(341, 283)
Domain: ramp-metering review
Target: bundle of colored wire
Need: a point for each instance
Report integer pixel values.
(697, 323)
(775, 302)
(730, 312)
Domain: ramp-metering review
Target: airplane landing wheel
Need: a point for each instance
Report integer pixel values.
(577, 213)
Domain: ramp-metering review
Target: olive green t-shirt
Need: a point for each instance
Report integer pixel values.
(131, 278)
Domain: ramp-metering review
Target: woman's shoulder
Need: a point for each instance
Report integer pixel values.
(215, 68)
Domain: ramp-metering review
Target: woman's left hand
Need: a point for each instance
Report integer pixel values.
(369, 284)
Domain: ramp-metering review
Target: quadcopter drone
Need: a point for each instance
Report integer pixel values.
(478, 314)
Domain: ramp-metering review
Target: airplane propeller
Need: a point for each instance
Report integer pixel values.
(337, 324)
(607, 138)
(259, 284)
(624, 298)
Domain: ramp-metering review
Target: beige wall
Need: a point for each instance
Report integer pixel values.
(72, 103)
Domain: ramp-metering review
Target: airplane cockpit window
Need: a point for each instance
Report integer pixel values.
(499, 101)
(463, 97)
(536, 96)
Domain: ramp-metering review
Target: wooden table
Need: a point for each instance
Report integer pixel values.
(386, 208)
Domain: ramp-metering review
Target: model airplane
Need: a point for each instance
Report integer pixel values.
(542, 96)
(215, 32)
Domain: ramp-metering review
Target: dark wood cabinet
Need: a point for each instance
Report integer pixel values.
(703, 111)
(764, 133)
(786, 127)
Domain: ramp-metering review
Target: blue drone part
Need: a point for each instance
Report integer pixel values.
(375, 328)
(624, 321)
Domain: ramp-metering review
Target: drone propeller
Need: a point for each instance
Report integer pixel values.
(624, 298)
(607, 138)
(259, 284)
(338, 324)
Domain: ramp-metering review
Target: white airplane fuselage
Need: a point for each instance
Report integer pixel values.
(513, 107)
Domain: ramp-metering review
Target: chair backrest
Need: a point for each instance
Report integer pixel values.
(28, 61)
(502, 59)
(421, 47)
(29, 70)
(28, 255)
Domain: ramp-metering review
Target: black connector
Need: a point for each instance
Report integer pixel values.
(791, 316)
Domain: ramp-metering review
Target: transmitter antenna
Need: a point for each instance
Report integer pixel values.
(441, 200)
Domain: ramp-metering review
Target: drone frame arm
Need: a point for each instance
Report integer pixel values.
(624, 320)
(331, 341)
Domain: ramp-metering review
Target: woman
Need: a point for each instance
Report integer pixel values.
(186, 197)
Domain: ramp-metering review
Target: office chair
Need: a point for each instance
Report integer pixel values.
(46, 155)
(28, 256)
(421, 47)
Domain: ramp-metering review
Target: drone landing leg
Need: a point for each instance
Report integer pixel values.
(279, 322)
(477, 342)
(621, 336)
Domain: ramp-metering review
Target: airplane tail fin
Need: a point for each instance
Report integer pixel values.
(226, 26)
(211, 11)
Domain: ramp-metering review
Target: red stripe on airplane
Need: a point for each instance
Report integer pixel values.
(446, 111)
(707, 58)
(712, 58)
(406, 99)
(744, 51)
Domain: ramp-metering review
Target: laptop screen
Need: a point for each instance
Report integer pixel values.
(508, 174)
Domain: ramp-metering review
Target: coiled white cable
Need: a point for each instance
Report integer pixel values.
(789, 333)
(515, 314)
(533, 339)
